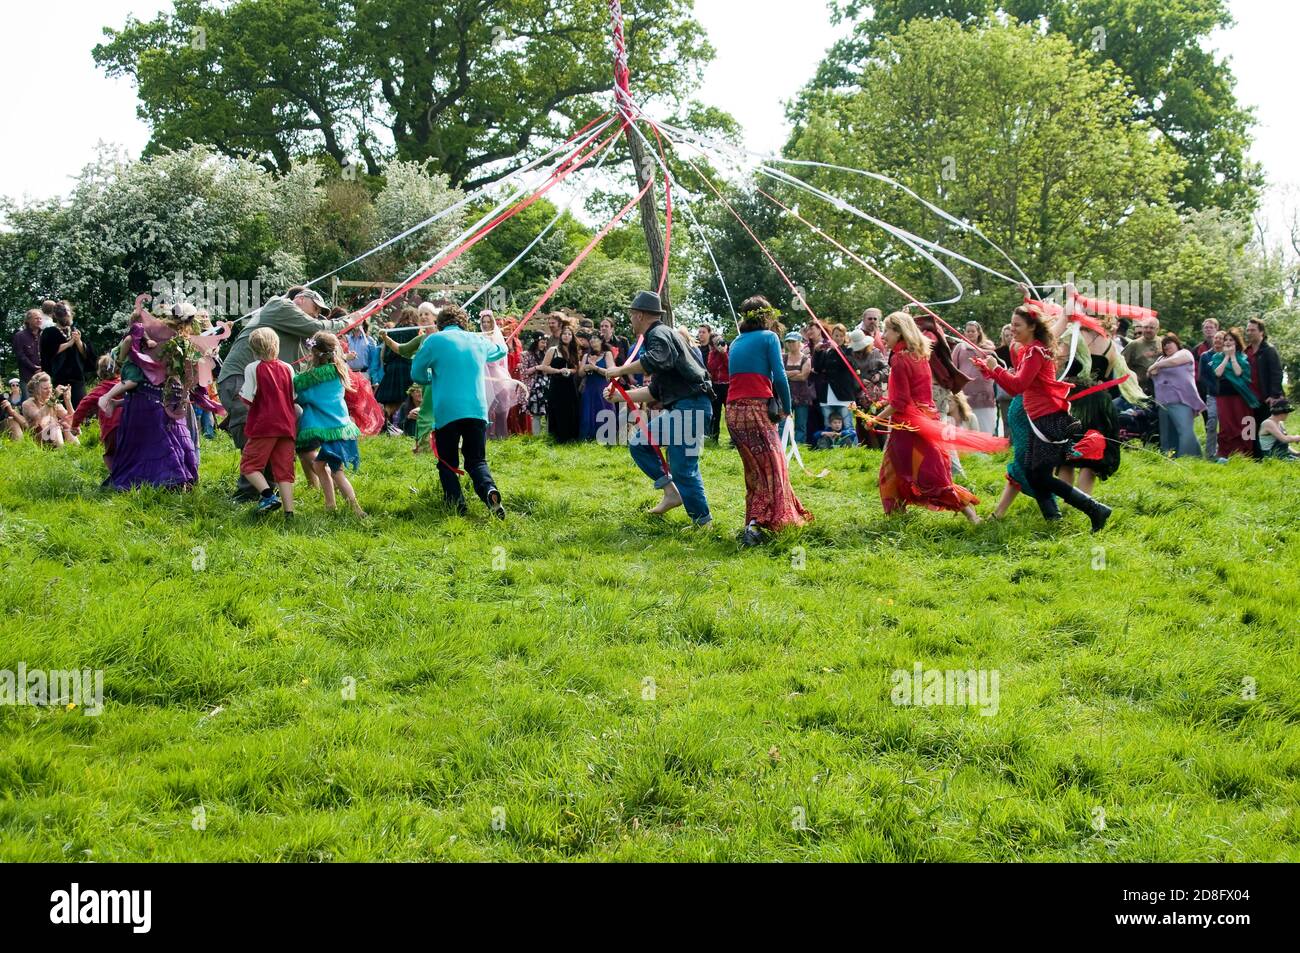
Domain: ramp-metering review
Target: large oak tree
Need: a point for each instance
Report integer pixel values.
(468, 84)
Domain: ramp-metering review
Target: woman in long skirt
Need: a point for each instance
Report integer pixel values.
(1096, 371)
(1237, 398)
(757, 375)
(917, 468)
(1053, 432)
(153, 448)
(596, 414)
(561, 365)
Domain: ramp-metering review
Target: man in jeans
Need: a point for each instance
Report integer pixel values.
(1208, 385)
(680, 385)
(452, 365)
(294, 318)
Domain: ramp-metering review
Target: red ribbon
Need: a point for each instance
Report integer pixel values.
(1099, 388)
(564, 275)
(433, 445)
(571, 164)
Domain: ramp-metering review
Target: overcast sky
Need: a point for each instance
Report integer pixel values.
(56, 110)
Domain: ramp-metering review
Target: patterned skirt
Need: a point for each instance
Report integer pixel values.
(769, 498)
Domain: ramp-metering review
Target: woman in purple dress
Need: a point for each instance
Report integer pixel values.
(156, 435)
(596, 412)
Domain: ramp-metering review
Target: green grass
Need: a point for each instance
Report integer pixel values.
(502, 666)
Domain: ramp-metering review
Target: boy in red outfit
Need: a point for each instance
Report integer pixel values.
(272, 426)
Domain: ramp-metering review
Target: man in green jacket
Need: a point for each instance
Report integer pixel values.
(295, 318)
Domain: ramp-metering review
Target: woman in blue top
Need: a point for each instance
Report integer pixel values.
(327, 437)
(757, 376)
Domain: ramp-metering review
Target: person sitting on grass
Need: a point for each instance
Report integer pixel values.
(272, 427)
(1274, 441)
(452, 364)
(835, 435)
(47, 413)
(11, 418)
(407, 418)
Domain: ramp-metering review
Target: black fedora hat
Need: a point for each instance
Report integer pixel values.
(648, 302)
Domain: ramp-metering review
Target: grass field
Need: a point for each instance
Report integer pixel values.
(584, 682)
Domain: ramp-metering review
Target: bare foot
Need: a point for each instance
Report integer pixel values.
(359, 513)
(970, 514)
(672, 499)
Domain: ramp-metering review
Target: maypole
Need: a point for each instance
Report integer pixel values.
(641, 162)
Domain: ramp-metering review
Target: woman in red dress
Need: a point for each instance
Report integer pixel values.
(1053, 432)
(917, 469)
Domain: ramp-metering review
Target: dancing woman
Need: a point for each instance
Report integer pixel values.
(756, 376)
(917, 468)
(1052, 431)
(1095, 366)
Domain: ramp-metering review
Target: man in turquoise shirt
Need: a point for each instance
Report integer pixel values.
(452, 366)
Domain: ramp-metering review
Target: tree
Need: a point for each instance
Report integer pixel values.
(1180, 87)
(1022, 136)
(469, 84)
(132, 227)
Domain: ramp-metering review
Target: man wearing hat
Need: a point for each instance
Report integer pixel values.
(1275, 443)
(680, 385)
(295, 318)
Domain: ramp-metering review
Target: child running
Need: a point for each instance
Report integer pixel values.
(327, 437)
(272, 426)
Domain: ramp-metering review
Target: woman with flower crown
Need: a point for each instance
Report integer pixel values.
(757, 381)
(166, 365)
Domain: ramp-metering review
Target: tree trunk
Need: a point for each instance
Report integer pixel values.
(643, 164)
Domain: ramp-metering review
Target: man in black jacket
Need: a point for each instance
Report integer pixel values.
(1265, 374)
(679, 384)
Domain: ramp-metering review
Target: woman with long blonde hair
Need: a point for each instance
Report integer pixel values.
(917, 469)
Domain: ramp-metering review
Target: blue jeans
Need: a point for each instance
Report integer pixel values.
(801, 424)
(679, 431)
(1212, 428)
(208, 421)
(1178, 431)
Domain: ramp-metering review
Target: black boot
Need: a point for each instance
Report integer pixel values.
(1098, 513)
(1047, 506)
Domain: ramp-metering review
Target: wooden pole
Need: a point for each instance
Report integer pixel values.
(643, 164)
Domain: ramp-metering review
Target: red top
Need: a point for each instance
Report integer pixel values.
(90, 405)
(719, 368)
(910, 382)
(270, 412)
(1035, 377)
(748, 386)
